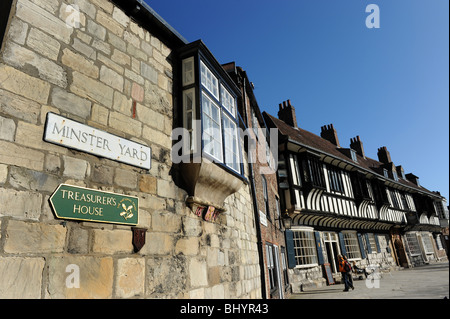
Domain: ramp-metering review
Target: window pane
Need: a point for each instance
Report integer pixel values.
(209, 80)
(212, 134)
(188, 71)
(228, 100)
(231, 143)
(305, 248)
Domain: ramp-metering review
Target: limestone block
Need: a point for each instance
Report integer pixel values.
(71, 103)
(198, 273)
(192, 226)
(121, 58)
(111, 78)
(96, 277)
(166, 275)
(111, 24)
(78, 241)
(79, 63)
(147, 184)
(159, 244)
(125, 124)
(187, 246)
(105, 5)
(149, 72)
(75, 168)
(166, 222)
(112, 241)
(19, 107)
(96, 30)
(7, 129)
(43, 44)
(44, 20)
(92, 89)
(20, 177)
(100, 114)
(19, 56)
(24, 237)
(23, 84)
(125, 178)
(3, 173)
(20, 205)
(85, 49)
(130, 278)
(21, 156)
(18, 31)
(21, 278)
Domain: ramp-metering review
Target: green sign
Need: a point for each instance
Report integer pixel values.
(78, 203)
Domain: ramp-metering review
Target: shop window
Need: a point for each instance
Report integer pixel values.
(413, 244)
(5, 9)
(372, 242)
(427, 244)
(352, 245)
(305, 248)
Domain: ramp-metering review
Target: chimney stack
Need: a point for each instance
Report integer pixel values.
(330, 134)
(357, 145)
(384, 156)
(413, 178)
(287, 113)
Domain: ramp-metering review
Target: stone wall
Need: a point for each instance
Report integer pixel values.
(109, 73)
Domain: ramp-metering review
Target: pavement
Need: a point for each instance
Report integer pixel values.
(425, 282)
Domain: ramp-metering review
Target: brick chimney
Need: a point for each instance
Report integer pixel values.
(384, 156)
(357, 145)
(330, 134)
(287, 113)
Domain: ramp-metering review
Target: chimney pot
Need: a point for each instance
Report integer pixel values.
(329, 133)
(384, 156)
(287, 113)
(357, 145)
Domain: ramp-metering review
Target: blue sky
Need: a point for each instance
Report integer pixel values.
(387, 85)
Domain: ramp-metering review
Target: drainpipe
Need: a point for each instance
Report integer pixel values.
(257, 220)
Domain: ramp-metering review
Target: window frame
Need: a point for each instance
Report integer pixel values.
(266, 196)
(335, 179)
(271, 266)
(201, 56)
(311, 260)
(413, 244)
(350, 241)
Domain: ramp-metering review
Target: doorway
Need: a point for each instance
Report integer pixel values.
(332, 248)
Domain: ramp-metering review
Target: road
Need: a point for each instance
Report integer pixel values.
(426, 282)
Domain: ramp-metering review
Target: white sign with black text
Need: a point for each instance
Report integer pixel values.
(68, 133)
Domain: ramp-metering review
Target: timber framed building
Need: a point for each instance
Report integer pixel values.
(342, 202)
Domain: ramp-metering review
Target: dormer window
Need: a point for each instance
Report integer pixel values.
(394, 173)
(211, 151)
(209, 109)
(353, 154)
(385, 172)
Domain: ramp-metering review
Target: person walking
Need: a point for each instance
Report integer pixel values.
(345, 269)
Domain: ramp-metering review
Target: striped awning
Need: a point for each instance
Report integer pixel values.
(337, 222)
